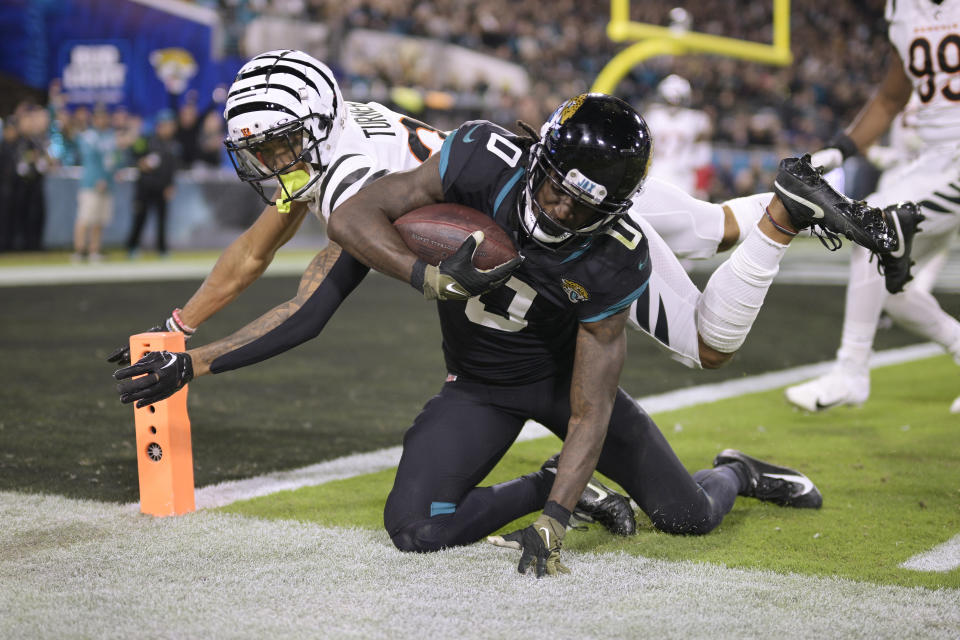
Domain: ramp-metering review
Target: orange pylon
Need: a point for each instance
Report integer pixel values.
(164, 450)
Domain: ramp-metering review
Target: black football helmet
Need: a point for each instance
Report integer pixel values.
(596, 149)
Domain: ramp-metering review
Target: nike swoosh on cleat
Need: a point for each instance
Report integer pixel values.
(469, 135)
(896, 225)
(817, 209)
(601, 494)
(797, 479)
(821, 406)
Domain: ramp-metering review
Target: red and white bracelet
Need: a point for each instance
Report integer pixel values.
(176, 323)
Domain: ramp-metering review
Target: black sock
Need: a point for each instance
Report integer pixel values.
(743, 474)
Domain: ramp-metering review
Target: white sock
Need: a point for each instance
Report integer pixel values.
(733, 296)
(866, 295)
(748, 211)
(917, 311)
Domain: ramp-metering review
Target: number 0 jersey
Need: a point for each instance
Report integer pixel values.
(525, 330)
(375, 142)
(927, 37)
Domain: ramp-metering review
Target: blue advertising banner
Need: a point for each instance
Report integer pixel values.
(134, 53)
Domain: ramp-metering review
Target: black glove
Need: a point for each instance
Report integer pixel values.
(167, 373)
(837, 150)
(541, 542)
(456, 278)
(121, 355)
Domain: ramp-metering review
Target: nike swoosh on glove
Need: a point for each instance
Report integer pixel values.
(166, 373)
(539, 545)
(456, 278)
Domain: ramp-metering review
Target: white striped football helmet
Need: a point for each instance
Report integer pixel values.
(284, 113)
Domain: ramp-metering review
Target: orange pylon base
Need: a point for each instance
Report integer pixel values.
(164, 450)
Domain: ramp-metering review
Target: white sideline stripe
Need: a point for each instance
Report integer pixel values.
(703, 394)
(943, 557)
(56, 274)
(224, 493)
(358, 464)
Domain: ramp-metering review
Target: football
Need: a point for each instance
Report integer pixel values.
(436, 231)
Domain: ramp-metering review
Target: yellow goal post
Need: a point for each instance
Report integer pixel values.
(655, 40)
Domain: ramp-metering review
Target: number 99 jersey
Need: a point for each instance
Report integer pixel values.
(926, 35)
(525, 330)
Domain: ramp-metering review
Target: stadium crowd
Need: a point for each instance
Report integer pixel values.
(564, 49)
(752, 105)
(780, 109)
(37, 139)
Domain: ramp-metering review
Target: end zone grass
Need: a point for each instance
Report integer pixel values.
(888, 472)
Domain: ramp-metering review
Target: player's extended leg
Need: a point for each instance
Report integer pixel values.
(916, 309)
(848, 382)
(694, 228)
(455, 441)
(637, 456)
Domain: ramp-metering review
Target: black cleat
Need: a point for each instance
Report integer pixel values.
(812, 202)
(904, 219)
(601, 504)
(768, 482)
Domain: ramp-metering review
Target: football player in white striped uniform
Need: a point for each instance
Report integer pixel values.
(924, 64)
(288, 122)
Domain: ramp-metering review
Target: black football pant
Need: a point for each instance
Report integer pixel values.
(463, 432)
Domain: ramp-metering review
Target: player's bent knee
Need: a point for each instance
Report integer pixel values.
(683, 522)
(420, 537)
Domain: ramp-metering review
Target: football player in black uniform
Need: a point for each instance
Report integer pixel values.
(544, 339)
(548, 343)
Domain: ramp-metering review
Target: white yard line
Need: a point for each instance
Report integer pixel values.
(943, 557)
(174, 269)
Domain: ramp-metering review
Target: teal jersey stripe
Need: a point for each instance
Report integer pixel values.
(620, 306)
(576, 254)
(506, 189)
(445, 152)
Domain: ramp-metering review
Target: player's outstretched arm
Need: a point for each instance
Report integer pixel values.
(328, 280)
(243, 262)
(363, 225)
(601, 351)
(237, 268)
(873, 120)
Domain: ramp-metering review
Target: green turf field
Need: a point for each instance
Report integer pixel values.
(354, 388)
(274, 566)
(888, 476)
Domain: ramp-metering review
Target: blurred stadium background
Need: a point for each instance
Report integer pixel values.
(67, 442)
(442, 61)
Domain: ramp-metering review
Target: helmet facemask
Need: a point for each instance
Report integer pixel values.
(273, 155)
(550, 233)
(285, 116)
